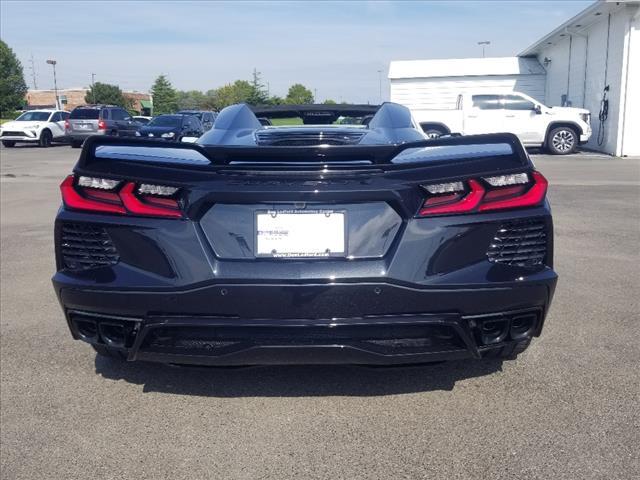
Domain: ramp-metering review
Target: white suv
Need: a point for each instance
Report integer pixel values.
(35, 126)
(558, 129)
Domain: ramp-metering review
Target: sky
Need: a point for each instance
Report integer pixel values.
(334, 48)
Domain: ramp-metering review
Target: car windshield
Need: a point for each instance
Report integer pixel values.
(33, 117)
(166, 121)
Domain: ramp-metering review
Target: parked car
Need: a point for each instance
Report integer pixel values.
(35, 126)
(559, 129)
(142, 120)
(314, 243)
(174, 127)
(207, 118)
(90, 120)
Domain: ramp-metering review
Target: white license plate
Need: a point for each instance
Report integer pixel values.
(299, 234)
(83, 126)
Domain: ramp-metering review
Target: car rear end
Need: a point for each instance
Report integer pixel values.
(349, 254)
(85, 122)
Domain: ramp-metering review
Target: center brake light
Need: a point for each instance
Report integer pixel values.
(486, 194)
(108, 196)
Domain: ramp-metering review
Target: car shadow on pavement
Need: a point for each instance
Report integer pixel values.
(24, 146)
(294, 381)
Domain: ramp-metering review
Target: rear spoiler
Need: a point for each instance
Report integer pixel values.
(501, 152)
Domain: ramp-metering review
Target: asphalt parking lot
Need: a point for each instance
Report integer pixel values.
(567, 408)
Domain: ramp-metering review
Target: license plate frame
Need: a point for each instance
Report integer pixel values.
(337, 216)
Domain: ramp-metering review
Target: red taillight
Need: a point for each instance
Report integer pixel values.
(102, 125)
(533, 196)
(67, 125)
(138, 207)
(463, 204)
(495, 193)
(162, 202)
(504, 192)
(72, 199)
(101, 195)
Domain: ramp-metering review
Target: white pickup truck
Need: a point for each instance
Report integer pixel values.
(559, 129)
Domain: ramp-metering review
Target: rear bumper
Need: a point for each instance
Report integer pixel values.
(364, 323)
(76, 135)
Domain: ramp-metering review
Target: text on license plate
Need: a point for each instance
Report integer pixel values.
(296, 234)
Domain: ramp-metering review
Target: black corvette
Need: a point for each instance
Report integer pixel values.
(316, 243)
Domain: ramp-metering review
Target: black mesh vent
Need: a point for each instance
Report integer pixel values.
(85, 246)
(7, 133)
(303, 139)
(521, 243)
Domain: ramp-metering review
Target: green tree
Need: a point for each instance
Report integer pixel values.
(164, 96)
(259, 94)
(275, 100)
(328, 101)
(209, 100)
(239, 91)
(191, 100)
(107, 94)
(12, 85)
(298, 94)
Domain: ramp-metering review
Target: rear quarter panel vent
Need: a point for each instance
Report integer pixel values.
(520, 243)
(85, 246)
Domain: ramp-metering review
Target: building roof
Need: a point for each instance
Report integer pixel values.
(84, 89)
(580, 22)
(51, 90)
(463, 67)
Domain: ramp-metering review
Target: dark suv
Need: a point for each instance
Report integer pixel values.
(206, 118)
(172, 128)
(88, 120)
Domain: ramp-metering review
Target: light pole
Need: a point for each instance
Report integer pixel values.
(93, 87)
(55, 82)
(484, 44)
(379, 86)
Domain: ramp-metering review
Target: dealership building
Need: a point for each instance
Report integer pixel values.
(590, 61)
